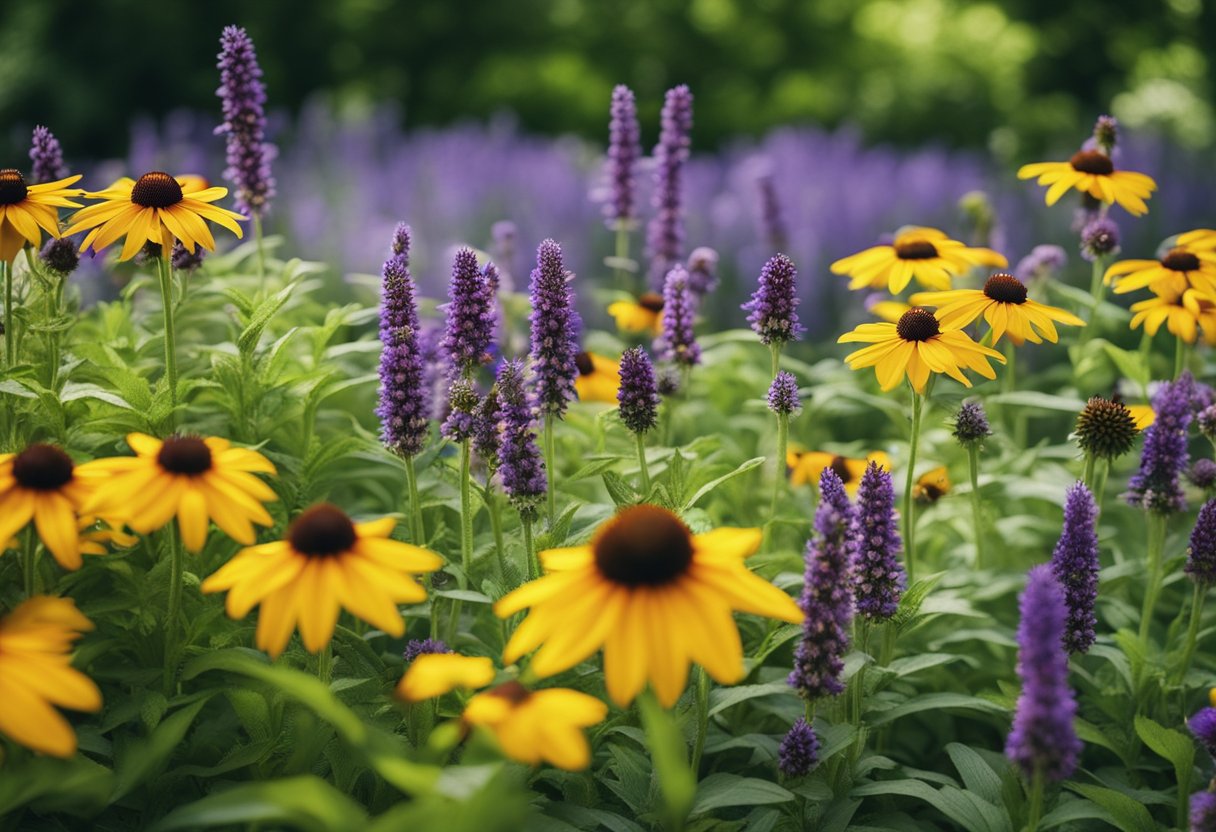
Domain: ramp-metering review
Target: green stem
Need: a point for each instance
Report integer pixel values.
(466, 509)
(166, 294)
(621, 253)
(1087, 475)
(29, 564)
(775, 350)
(500, 548)
(1192, 630)
(257, 238)
(1009, 377)
(783, 433)
(325, 664)
(530, 550)
(702, 698)
(1100, 485)
(1156, 546)
(1097, 289)
(417, 530)
(550, 454)
(10, 332)
(973, 465)
(1179, 356)
(174, 607)
(910, 478)
(858, 682)
(642, 467)
(1036, 802)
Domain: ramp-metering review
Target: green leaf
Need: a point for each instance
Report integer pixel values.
(950, 801)
(1131, 364)
(1126, 813)
(677, 782)
(306, 803)
(74, 786)
(714, 483)
(247, 341)
(719, 790)
(934, 702)
(977, 775)
(1035, 399)
(140, 760)
(1174, 746)
(722, 698)
(619, 490)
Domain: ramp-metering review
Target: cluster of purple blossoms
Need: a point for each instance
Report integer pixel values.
(486, 437)
(971, 424)
(1042, 740)
(46, 157)
(416, 647)
(1203, 726)
(826, 601)
(1042, 262)
(519, 460)
(555, 331)
(638, 393)
(1074, 562)
(773, 309)
(463, 404)
(470, 315)
(61, 254)
(676, 342)
(665, 235)
(436, 369)
(624, 150)
(1099, 238)
(783, 394)
(1202, 474)
(878, 575)
(244, 99)
(1106, 134)
(404, 406)
(187, 261)
(702, 271)
(1206, 420)
(1203, 811)
(798, 753)
(1200, 564)
(1156, 486)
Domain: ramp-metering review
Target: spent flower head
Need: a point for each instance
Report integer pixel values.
(1105, 429)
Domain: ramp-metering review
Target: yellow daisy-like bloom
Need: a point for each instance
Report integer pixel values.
(1142, 414)
(1092, 172)
(28, 210)
(931, 486)
(1183, 314)
(157, 208)
(96, 536)
(197, 479)
(643, 315)
(1004, 305)
(598, 379)
(36, 673)
(888, 310)
(924, 253)
(917, 346)
(1199, 239)
(326, 563)
(1180, 269)
(42, 484)
(653, 596)
(538, 726)
(434, 674)
(806, 466)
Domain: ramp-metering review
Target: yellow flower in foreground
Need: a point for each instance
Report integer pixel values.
(1180, 269)
(887, 310)
(1005, 307)
(1092, 172)
(653, 596)
(96, 535)
(157, 208)
(43, 485)
(924, 253)
(325, 563)
(28, 210)
(538, 726)
(1183, 314)
(598, 378)
(434, 674)
(36, 673)
(931, 486)
(1142, 414)
(1200, 239)
(917, 346)
(806, 466)
(197, 479)
(643, 315)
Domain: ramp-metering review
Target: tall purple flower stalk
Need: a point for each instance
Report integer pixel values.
(555, 331)
(783, 394)
(1201, 553)
(665, 235)
(638, 394)
(1074, 562)
(819, 658)
(774, 305)
(1157, 487)
(878, 575)
(772, 224)
(243, 96)
(624, 149)
(46, 157)
(404, 407)
(463, 403)
(676, 342)
(486, 436)
(470, 315)
(1042, 740)
(436, 369)
(799, 750)
(520, 463)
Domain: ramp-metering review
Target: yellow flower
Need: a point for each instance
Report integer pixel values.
(36, 673)
(1142, 414)
(1004, 305)
(538, 726)
(1199, 239)
(156, 209)
(1183, 314)
(917, 346)
(325, 563)
(1180, 269)
(653, 596)
(1092, 172)
(643, 315)
(931, 486)
(42, 484)
(888, 310)
(197, 479)
(924, 253)
(28, 210)
(95, 538)
(434, 674)
(806, 466)
(598, 378)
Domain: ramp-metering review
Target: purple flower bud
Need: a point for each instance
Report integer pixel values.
(1203, 726)
(1099, 238)
(1203, 474)
(774, 305)
(462, 409)
(486, 422)
(244, 98)
(638, 394)
(1207, 422)
(878, 575)
(1074, 562)
(1043, 261)
(404, 405)
(470, 315)
(665, 235)
(667, 378)
(1106, 134)
(60, 254)
(416, 647)
(1201, 553)
(676, 342)
(783, 394)
(798, 753)
(1203, 811)
(971, 424)
(46, 157)
(555, 331)
(187, 261)
(702, 271)
(1156, 486)
(624, 150)
(520, 463)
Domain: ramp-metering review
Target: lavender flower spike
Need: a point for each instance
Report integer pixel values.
(878, 575)
(404, 405)
(783, 394)
(774, 305)
(624, 149)
(1203, 726)
(1074, 562)
(555, 331)
(1042, 739)
(1156, 486)
(470, 315)
(799, 750)
(665, 235)
(463, 404)
(520, 463)
(1099, 238)
(1201, 553)
(819, 658)
(1203, 811)
(677, 343)
(46, 157)
(638, 394)
(486, 436)
(244, 99)
(416, 647)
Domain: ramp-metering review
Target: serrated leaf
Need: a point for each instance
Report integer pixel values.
(1126, 814)
(755, 462)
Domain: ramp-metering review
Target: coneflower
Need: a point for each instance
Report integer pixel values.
(519, 461)
(638, 397)
(1074, 562)
(243, 96)
(878, 575)
(676, 342)
(46, 158)
(773, 308)
(665, 235)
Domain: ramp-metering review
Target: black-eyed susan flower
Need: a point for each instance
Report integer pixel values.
(806, 466)
(197, 479)
(156, 208)
(642, 315)
(434, 674)
(917, 346)
(36, 674)
(654, 596)
(325, 563)
(1202, 239)
(1184, 315)
(42, 484)
(1180, 269)
(1005, 306)
(931, 486)
(1092, 172)
(598, 379)
(538, 726)
(28, 210)
(922, 253)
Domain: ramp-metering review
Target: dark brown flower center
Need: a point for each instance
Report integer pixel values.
(842, 470)
(1091, 161)
(322, 531)
(915, 250)
(12, 186)
(917, 325)
(42, 467)
(1005, 288)
(512, 691)
(1180, 260)
(643, 545)
(583, 362)
(156, 190)
(185, 455)
(652, 301)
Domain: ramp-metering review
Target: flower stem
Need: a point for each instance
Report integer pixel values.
(1036, 802)
(166, 295)
(10, 333)
(1097, 289)
(775, 350)
(29, 564)
(621, 254)
(1179, 356)
(909, 520)
(417, 530)
(550, 453)
(1087, 475)
(1009, 377)
(702, 698)
(783, 433)
(530, 550)
(1192, 630)
(1100, 485)
(973, 465)
(1156, 546)
(500, 548)
(325, 664)
(257, 238)
(466, 509)
(174, 607)
(645, 470)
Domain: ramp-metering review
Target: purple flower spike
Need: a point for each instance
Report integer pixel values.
(244, 99)
(486, 437)
(404, 406)
(470, 315)
(1074, 562)
(1099, 238)
(798, 753)
(1203, 811)
(1203, 726)
(702, 271)
(520, 463)
(878, 575)
(1202, 473)
(676, 342)
(665, 235)
(624, 149)
(463, 404)
(1156, 487)
(819, 658)
(436, 369)
(416, 647)
(774, 305)
(555, 331)
(1042, 739)
(971, 424)
(1201, 553)
(46, 157)
(1106, 133)
(638, 394)
(783, 394)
